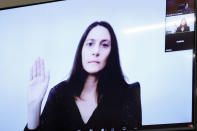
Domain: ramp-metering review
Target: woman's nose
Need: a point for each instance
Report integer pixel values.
(95, 51)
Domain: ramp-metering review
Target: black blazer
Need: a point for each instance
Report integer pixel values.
(186, 28)
(61, 113)
(132, 111)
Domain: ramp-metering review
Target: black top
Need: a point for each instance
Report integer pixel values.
(62, 114)
(185, 28)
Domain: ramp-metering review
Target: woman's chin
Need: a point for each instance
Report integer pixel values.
(92, 72)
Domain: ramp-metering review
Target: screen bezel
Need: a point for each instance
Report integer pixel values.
(177, 126)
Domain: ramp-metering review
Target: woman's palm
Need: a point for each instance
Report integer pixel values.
(38, 83)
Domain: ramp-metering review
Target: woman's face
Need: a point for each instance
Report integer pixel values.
(186, 5)
(96, 49)
(183, 22)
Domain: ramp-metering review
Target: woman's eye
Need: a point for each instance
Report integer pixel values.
(105, 45)
(89, 44)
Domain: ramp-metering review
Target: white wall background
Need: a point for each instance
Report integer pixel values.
(52, 31)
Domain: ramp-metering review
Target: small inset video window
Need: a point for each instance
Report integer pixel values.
(180, 32)
(180, 24)
(180, 21)
(179, 7)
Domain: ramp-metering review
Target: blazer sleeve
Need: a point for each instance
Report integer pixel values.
(50, 114)
(132, 112)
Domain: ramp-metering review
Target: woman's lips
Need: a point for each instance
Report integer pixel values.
(97, 62)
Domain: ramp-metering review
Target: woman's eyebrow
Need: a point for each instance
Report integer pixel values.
(90, 40)
(105, 40)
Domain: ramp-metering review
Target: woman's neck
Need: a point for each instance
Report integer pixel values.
(90, 88)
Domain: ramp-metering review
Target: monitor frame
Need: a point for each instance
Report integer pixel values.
(179, 126)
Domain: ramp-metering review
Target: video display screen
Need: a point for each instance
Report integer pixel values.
(155, 44)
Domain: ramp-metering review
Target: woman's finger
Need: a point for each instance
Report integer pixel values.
(38, 67)
(42, 69)
(34, 70)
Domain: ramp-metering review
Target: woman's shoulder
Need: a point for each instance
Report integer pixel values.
(134, 85)
(60, 85)
(134, 88)
(61, 88)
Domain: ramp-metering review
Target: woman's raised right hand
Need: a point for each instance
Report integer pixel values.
(38, 83)
(37, 88)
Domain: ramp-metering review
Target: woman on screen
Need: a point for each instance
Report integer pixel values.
(95, 96)
(183, 27)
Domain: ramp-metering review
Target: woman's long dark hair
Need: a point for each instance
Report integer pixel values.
(184, 24)
(111, 79)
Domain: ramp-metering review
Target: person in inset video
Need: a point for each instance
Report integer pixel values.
(94, 97)
(183, 27)
(186, 9)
